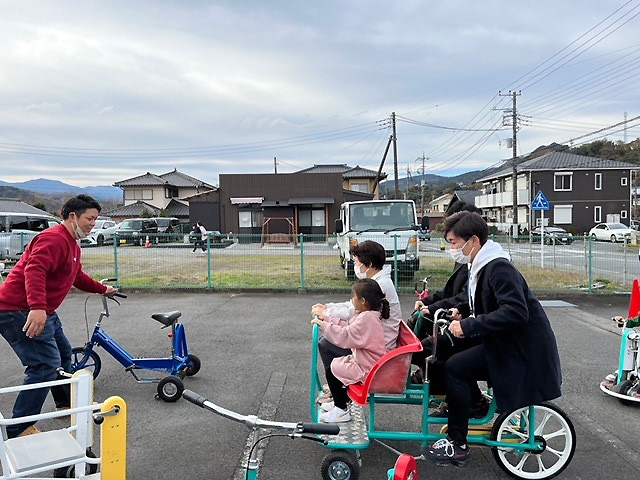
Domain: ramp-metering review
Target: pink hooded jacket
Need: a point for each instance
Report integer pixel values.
(364, 335)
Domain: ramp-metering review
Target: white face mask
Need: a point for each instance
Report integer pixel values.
(359, 273)
(79, 233)
(458, 256)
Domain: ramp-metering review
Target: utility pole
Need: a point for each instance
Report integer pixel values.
(514, 145)
(275, 165)
(422, 187)
(395, 152)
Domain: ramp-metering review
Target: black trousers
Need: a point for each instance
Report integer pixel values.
(462, 372)
(328, 351)
(200, 243)
(448, 345)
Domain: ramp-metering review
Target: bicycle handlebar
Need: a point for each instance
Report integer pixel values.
(252, 421)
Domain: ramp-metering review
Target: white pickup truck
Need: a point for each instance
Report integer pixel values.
(391, 223)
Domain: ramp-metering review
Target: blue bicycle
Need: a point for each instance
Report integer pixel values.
(179, 364)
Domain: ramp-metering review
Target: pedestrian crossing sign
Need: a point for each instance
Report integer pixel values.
(540, 202)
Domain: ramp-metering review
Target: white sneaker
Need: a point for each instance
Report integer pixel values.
(327, 406)
(336, 415)
(325, 388)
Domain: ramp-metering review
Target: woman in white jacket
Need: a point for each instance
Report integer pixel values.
(369, 258)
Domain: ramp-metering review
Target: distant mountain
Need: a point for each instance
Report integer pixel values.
(435, 181)
(52, 201)
(44, 185)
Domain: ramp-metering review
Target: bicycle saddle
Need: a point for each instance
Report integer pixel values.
(167, 319)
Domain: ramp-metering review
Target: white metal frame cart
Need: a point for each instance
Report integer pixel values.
(67, 450)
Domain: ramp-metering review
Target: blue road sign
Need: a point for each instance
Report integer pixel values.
(540, 202)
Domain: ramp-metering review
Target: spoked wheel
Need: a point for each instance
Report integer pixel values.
(93, 363)
(553, 429)
(170, 388)
(194, 365)
(340, 465)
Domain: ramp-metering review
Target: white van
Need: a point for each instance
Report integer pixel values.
(17, 230)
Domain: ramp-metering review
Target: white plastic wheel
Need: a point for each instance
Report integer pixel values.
(552, 427)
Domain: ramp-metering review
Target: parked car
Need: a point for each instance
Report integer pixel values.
(18, 229)
(167, 224)
(100, 234)
(552, 235)
(135, 230)
(613, 232)
(634, 225)
(215, 235)
(424, 234)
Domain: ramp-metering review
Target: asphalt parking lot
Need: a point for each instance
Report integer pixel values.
(246, 341)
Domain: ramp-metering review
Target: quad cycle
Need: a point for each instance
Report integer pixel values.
(624, 383)
(309, 431)
(178, 364)
(533, 442)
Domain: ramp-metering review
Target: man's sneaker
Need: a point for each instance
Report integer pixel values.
(30, 430)
(446, 452)
(480, 408)
(336, 415)
(612, 377)
(441, 411)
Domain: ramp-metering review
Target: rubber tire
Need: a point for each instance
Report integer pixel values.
(342, 460)
(613, 239)
(504, 416)
(94, 356)
(623, 390)
(195, 367)
(593, 236)
(100, 240)
(70, 471)
(171, 396)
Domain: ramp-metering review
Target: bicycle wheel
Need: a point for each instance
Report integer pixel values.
(553, 429)
(93, 362)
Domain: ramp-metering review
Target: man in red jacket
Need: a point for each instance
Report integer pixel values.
(34, 289)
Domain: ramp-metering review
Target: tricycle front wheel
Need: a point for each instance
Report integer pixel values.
(93, 363)
(340, 465)
(553, 429)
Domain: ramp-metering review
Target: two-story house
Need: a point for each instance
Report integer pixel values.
(153, 193)
(355, 179)
(582, 191)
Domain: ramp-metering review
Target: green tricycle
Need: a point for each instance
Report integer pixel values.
(534, 442)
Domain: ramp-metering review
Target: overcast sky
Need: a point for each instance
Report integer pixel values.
(95, 92)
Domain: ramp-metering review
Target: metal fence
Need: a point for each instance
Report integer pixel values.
(312, 262)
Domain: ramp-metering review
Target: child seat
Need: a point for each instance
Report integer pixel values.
(389, 374)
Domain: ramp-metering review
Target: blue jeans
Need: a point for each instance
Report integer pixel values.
(42, 356)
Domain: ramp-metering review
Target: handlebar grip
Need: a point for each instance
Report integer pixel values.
(320, 428)
(194, 398)
(120, 295)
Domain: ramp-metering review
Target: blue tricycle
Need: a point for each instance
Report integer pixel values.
(179, 364)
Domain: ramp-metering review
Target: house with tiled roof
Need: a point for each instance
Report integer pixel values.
(356, 179)
(582, 191)
(152, 193)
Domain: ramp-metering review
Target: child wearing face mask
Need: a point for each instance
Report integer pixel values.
(363, 334)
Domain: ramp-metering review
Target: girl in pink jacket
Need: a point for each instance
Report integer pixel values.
(364, 335)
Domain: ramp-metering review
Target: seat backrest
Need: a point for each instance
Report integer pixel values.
(389, 374)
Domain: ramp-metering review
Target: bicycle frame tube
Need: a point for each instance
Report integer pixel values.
(112, 347)
(623, 354)
(315, 377)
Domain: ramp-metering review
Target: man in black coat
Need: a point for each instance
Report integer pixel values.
(517, 354)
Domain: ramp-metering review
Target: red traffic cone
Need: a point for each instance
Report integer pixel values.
(147, 243)
(634, 305)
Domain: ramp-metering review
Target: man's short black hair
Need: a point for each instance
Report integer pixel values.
(79, 205)
(370, 254)
(460, 206)
(465, 225)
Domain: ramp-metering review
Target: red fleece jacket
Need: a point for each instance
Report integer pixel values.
(49, 267)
